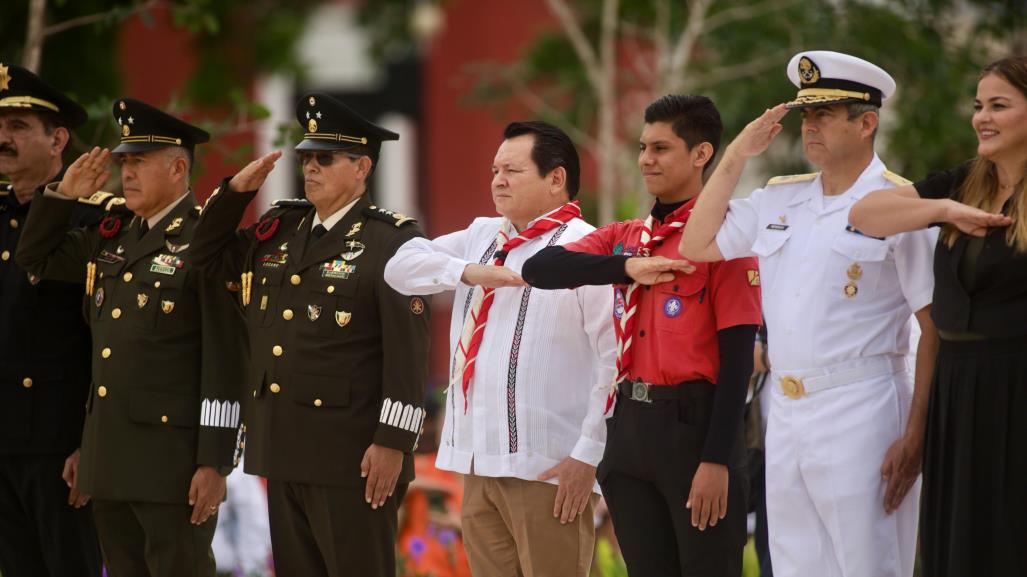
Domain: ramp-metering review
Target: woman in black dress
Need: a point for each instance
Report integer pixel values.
(974, 500)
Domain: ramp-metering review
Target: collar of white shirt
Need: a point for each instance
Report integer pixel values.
(334, 218)
(155, 219)
(531, 223)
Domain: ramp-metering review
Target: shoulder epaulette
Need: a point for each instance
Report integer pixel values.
(292, 203)
(895, 178)
(388, 216)
(105, 200)
(791, 178)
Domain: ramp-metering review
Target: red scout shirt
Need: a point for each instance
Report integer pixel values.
(675, 337)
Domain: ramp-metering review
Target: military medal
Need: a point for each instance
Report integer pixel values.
(338, 269)
(167, 306)
(356, 248)
(175, 224)
(166, 264)
(175, 248)
(142, 299)
(108, 257)
(854, 272)
(313, 312)
(99, 297)
(417, 305)
(342, 318)
(354, 229)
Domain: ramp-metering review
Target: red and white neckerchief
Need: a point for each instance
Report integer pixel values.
(624, 327)
(478, 314)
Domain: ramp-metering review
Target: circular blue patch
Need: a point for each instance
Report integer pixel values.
(672, 307)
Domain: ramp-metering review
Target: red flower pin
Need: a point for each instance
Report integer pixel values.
(266, 229)
(109, 226)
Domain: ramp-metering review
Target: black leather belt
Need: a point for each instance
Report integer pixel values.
(647, 392)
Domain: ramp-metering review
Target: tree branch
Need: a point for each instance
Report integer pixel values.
(737, 13)
(686, 43)
(743, 70)
(100, 17)
(578, 41)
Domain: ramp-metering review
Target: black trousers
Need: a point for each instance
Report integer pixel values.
(40, 534)
(652, 453)
(326, 531)
(153, 540)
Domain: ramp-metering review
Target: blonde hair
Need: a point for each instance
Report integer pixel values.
(981, 185)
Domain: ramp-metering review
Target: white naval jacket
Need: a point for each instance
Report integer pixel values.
(808, 255)
(546, 361)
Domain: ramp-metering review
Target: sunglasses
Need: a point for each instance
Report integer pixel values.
(323, 157)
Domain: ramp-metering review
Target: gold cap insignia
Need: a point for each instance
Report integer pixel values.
(5, 78)
(417, 305)
(342, 318)
(142, 299)
(167, 306)
(121, 105)
(809, 73)
(312, 125)
(125, 130)
(312, 101)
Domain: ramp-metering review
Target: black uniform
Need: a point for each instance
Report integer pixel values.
(168, 351)
(339, 361)
(44, 380)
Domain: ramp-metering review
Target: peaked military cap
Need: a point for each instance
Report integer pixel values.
(331, 125)
(144, 127)
(21, 89)
(824, 78)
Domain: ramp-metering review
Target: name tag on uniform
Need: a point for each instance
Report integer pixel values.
(849, 228)
(773, 226)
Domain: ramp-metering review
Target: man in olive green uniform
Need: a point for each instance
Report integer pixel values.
(163, 413)
(46, 527)
(339, 359)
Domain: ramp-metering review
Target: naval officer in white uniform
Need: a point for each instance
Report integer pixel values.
(843, 444)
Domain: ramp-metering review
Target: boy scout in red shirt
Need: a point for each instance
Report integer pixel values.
(673, 473)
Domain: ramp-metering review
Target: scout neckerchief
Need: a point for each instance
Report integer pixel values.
(474, 323)
(624, 327)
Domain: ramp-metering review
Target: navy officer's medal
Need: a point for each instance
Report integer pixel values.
(854, 272)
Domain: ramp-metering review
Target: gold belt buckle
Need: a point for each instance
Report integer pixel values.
(792, 387)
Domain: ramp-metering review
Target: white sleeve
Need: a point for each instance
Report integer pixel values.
(914, 261)
(427, 267)
(737, 234)
(597, 309)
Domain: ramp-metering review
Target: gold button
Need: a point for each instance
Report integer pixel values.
(331, 289)
(263, 280)
(317, 402)
(127, 277)
(116, 313)
(295, 279)
(156, 284)
(277, 351)
(163, 418)
(287, 314)
(101, 390)
(106, 353)
(275, 388)
(14, 223)
(27, 382)
(6, 255)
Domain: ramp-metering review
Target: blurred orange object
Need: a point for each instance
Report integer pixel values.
(430, 542)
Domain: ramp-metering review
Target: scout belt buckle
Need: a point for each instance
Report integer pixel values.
(640, 392)
(792, 387)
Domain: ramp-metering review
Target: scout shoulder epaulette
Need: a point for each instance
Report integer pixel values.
(106, 201)
(895, 179)
(388, 216)
(291, 203)
(791, 178)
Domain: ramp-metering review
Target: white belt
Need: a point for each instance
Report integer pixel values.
(797, 384)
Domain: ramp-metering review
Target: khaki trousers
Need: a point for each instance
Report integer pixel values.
(509, 530)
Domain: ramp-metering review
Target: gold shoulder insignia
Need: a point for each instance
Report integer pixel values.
(292, 203)
(895, 178)
(116, 202)
(99, 198)
(791, 178)
(395, 218)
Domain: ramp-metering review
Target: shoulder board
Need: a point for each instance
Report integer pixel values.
(791, 178)
(5, 188)
(104, 200)
(388, 216)
(292, 203)
(895, 179)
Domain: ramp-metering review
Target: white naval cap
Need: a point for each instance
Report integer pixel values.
(826, 77)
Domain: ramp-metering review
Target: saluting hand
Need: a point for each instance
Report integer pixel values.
(973, 221)
(206, 492)
(381, 467)
(490, 276)
(655, 269)
(708, 496)
(253, 175)
(576, 479)
(757, 135)
(86, 175)
(900, 470)
(76, 498)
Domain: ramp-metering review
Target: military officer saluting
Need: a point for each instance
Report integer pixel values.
(163, 414)
(339, 358)
(44, 350)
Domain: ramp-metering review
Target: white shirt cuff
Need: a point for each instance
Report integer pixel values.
(51, 192)
(588, 450)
